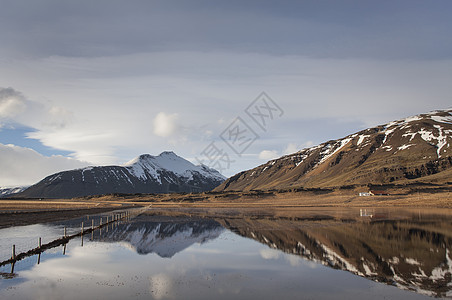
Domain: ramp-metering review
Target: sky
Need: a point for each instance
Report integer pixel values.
(230, 84)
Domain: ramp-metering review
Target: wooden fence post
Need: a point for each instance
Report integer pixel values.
(13, 257)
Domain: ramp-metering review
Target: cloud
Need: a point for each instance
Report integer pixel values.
(293, 147)
(165, 125)
(24, 166)
(326, 29)
(59, 117)
(12, 103)
(268, 154)
(268, 253)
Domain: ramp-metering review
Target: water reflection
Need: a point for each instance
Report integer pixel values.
(413, 254)
(248, 256)
(162, 235)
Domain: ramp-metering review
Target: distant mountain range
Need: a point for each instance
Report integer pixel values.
(7, 191)
(417, 148)
(164, 173)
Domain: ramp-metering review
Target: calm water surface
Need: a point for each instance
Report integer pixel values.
(311, 254)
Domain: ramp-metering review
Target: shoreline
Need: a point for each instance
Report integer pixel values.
(28, 213)
(18, 212)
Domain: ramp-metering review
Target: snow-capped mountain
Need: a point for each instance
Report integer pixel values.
(164, 236)
(415, 148)
(164, 173)
(151, 167)
(10, 191)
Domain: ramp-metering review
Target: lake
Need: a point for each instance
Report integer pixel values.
(309, 253)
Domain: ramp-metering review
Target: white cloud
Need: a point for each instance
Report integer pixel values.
(268, 253)
(291, 148)
(165, 125)
(272, 254)
(268, 154)
(293, 260)
(308, 144)
(59, 117)
(24, 166)
(12, 103)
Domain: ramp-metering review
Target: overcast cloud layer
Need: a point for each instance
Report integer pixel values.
(105, 81)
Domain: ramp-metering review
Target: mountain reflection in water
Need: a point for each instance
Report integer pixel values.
(412, 253)
(162, 235)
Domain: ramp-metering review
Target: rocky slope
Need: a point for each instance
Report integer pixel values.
(164, 173)
(415, 148)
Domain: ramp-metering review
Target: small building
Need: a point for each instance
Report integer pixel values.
(373, 193)
(379, 193)
(366, 213)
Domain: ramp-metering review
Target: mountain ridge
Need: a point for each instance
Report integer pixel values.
(399, 151)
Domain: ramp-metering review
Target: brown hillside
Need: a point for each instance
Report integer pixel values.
(412, 149)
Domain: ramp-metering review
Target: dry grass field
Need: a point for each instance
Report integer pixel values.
(15, 212)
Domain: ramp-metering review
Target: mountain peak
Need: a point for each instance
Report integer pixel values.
(168, 153)
(168, 161)
(148, 157)
(143, 157)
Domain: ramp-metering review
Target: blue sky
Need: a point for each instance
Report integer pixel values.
(100, 82)
(17, 135)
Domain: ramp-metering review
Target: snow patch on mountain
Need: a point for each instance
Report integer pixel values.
(442, 119)
(361, 139)
(403, 147)
(329, 150)
(440, 272)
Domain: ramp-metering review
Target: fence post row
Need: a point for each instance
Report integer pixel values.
(114, 218)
